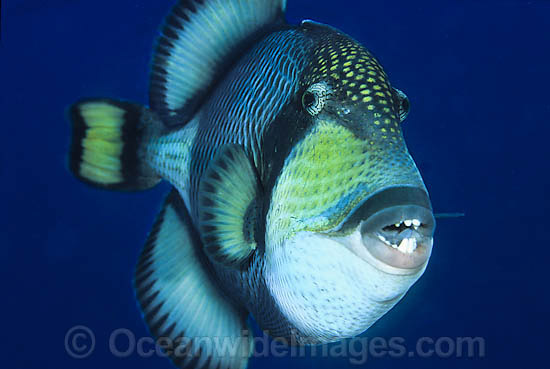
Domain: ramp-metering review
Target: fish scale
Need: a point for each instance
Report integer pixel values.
(239, 111)
(294, 196)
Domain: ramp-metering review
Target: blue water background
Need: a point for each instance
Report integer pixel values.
(477, 74)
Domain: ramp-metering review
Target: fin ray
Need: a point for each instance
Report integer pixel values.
(107, 139)
(181, 301)
(228, 208)
(197, 39)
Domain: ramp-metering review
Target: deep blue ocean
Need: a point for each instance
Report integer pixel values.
(477, 74)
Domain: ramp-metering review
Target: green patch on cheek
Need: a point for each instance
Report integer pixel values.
(328, 164)
(327, 175)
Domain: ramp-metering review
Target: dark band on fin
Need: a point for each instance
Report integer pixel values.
(180, 299)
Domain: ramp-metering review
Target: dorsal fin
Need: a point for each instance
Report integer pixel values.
(198, 38)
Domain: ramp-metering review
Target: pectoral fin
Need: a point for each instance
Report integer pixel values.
(228, 206)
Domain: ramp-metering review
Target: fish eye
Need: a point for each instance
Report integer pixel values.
(404, 104)
(315, 98)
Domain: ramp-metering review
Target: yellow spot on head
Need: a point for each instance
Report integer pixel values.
(350, 74)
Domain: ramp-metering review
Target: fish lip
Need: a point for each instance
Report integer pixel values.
(355, 243)
(390, 247)
(383, 198)
(386, 207)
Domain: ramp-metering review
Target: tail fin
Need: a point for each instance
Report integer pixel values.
(106, 148)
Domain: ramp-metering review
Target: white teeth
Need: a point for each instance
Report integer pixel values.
(404, 245)
(413, 244)
(407, 245)
(409, 222)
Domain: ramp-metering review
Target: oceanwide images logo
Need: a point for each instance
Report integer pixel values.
(80, 343)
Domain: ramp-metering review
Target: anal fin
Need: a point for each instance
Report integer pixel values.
(180, 300)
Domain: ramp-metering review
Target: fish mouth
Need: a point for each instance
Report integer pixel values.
(400, 236)
(397, 232)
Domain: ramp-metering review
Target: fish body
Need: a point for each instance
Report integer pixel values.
(295, 198)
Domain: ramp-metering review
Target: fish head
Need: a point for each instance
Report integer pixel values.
(349, 206)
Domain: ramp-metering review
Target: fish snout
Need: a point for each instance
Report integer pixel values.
(399, 230)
